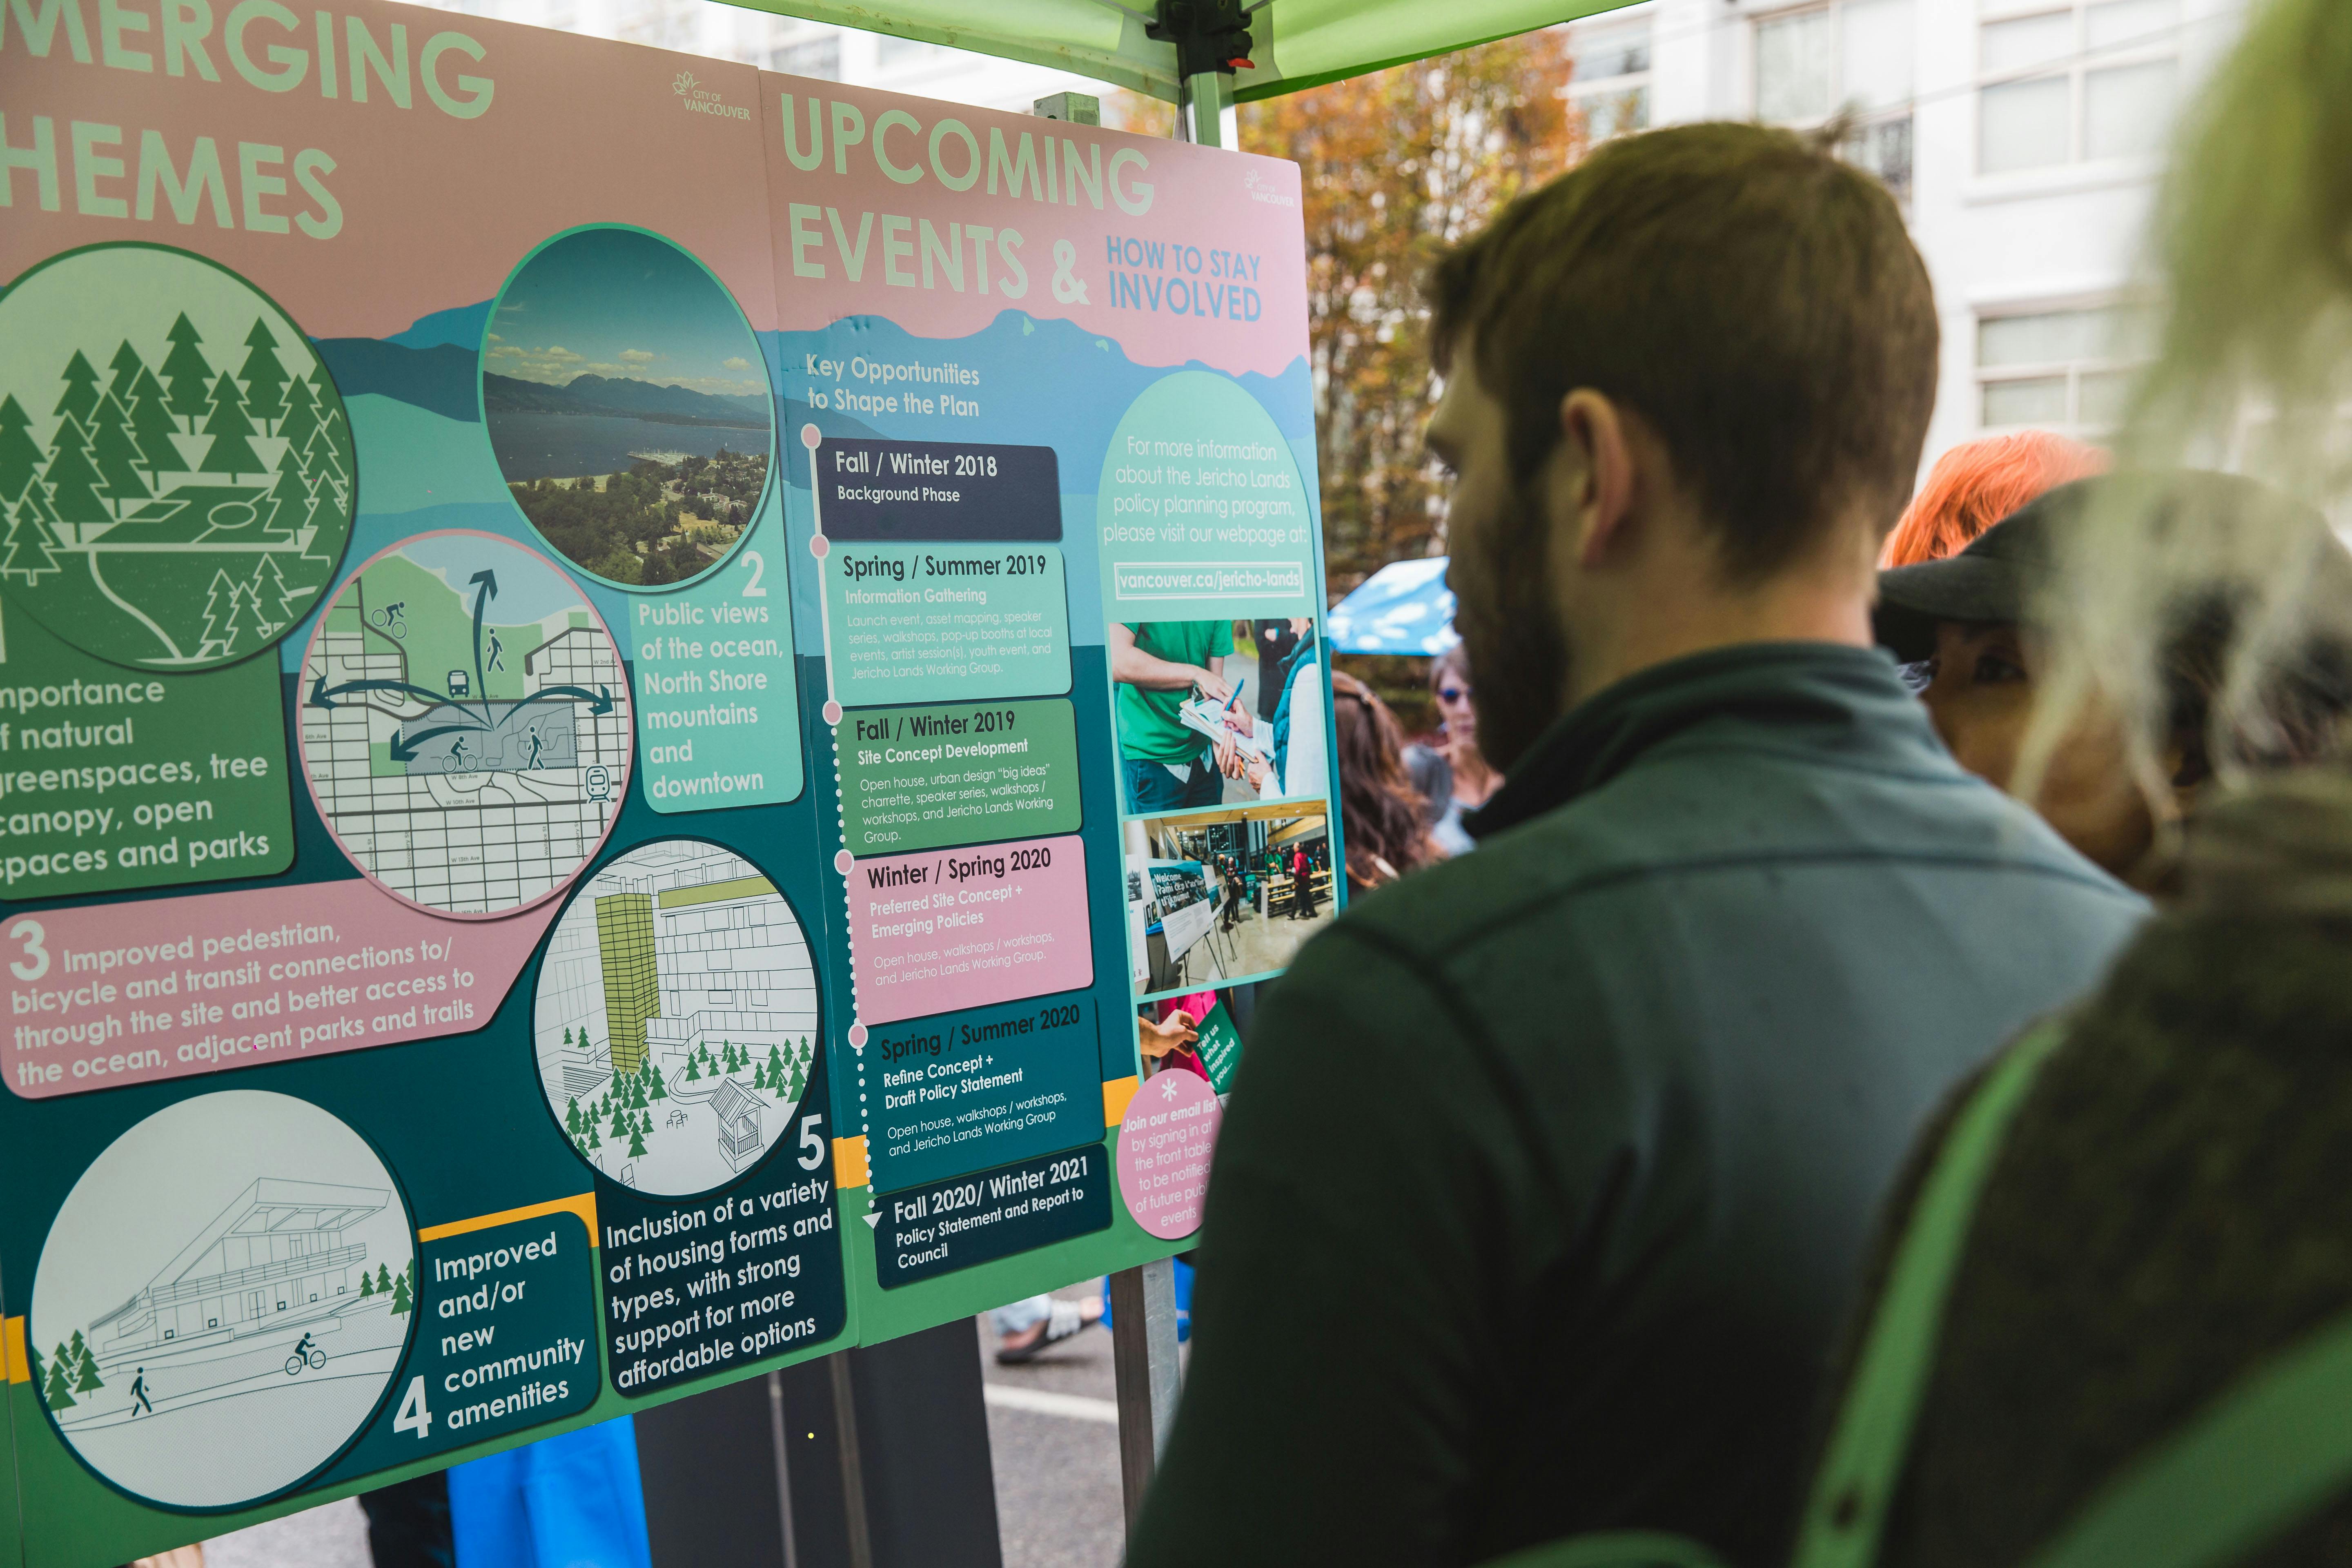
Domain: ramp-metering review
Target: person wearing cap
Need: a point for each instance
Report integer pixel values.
(1969, 624)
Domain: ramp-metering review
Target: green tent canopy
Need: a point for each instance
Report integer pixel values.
(1295, 44)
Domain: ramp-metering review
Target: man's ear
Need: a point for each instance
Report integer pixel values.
(1593, 480)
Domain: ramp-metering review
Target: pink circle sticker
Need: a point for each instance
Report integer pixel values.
(1164, 1147)
(833, 716)
(843, 861)
(810, 436)
(856, 1034)
(819, 546)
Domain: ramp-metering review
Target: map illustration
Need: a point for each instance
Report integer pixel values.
(223, 1299)
(676, 1017)
(176, 472)
(465, 723)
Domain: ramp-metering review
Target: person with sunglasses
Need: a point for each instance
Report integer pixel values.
(1453, 776)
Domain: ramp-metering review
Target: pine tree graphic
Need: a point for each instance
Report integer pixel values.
(272, 600)
(40, 1377)
(383, 1280)
(594, 1140)
(28, 548)
(20, 455)
(60, 1393)
(571, 1111)
(263, 376)
(72, 477)
(117, 451)
(230, 452)
(186, 373)
(88, 1381)
(760, 1078)
(693, 1070)
(126, 364)
(657, 1091)
(289, 499)
(220, 605)
(367, 1285)
(150, 421)
(81, 398)
(403, 1297)
(301, 416)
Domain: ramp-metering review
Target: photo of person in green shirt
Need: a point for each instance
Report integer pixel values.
(1157, 666)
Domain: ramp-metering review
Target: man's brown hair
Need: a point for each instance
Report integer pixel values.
(1757, 301)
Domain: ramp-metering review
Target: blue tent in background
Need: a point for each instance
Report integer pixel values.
(1403, 607)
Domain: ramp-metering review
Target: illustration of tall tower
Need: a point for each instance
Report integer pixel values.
(625, 943)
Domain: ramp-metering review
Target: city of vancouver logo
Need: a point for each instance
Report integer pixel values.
(701, 100)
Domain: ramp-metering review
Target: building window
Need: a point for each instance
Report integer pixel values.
(819, 58)
(2087, 81)
(1853, 57)
(1609, 81)
(2060, 370)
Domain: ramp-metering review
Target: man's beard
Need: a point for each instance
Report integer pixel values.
(1519, 654)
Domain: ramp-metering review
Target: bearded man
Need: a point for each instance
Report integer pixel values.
(1545, 1185)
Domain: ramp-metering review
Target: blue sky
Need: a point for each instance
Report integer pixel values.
(615, 303)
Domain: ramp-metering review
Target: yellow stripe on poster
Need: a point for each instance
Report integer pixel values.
(1117, 1092)
(584, 1204)
(849, 1163)
(11, 1351)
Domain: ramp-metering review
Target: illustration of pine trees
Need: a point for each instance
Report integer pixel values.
(117, 452)
(220, 605)
(367, 1285)
(636, 1143)
(289, 499)
(693, 1070)
(775, 1065)
(620, 1128)
(571, 1111)
(186, 373)
(567, 1045)
(40, 1377)
(383, 1280)
(272, 601)
(760, 1077)
(81, 398)
(20, 455)
(594, 1140)
(150, 421)
(301, 419)
(72, 477)
(60, 1393)
(638, 1095)
(240, 621)
(402, 1298)
(88, 1381)
(264, 377)
(657, 1091)
(797, 1081)
(126, 364)
(230, 452)
(27, 550)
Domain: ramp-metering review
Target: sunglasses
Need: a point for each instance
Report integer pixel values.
(1453, 693)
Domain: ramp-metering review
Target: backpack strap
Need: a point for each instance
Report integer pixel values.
(1868, 1447)
(2265, 1456)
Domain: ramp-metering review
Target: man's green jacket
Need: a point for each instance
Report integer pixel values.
(1549, 1172)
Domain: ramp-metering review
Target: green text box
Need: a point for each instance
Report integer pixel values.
(912, 622)
(926, 778)
(114, 778)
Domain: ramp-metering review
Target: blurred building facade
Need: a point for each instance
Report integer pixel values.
(2024, 138)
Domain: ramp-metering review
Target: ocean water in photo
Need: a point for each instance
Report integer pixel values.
(533, 446)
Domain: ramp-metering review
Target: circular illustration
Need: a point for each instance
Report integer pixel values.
(176, 478)
(677, 1022)
(223, 1299)
(628, 405)
(465, 723)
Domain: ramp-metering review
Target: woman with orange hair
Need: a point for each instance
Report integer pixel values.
(1975, 485)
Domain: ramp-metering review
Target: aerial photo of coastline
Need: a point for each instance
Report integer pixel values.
(627, 406)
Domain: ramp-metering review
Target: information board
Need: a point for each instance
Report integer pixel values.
(593, 646)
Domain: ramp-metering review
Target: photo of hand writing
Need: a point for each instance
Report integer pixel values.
(1218, 711)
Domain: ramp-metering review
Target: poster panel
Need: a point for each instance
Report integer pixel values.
(588, 639)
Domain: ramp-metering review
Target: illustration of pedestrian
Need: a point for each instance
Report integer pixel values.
(497, 653)
(537, 745)
(139, 1400)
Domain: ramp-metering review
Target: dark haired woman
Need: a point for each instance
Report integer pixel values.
(1380, 811)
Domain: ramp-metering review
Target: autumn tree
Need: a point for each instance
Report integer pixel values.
(1396, 167)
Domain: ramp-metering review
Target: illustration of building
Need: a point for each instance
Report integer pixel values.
(737, 1111)
(625, 942)
(274, 1258)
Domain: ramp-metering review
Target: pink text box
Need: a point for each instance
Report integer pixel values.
(121, 993)
(946, 929)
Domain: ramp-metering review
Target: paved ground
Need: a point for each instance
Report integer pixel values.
(1057, 1488)
(1053, 1435)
